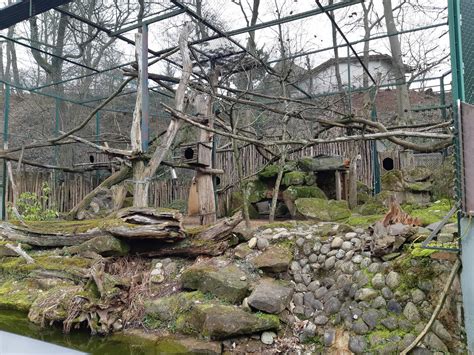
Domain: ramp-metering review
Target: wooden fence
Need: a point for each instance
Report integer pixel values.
(68, 189)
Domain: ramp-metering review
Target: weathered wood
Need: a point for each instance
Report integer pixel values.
(130, 223)
(113, 179)
(211, 241)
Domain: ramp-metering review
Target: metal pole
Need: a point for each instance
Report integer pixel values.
(145, 121)
(349, 81)
(56, 133)
(6, 114)
(375, 155)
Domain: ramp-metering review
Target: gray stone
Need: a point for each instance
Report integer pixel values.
(411, 313)
(387, 293)
(439, 329)
(432, 341)
(346, 246)
(425, 285)
(317, 305)
(329, 337)
(332, 253)
(378, 281)
(379, 302)
(252, 242)
(340, 254)
(394, 306)
(391, 323)
(357, 259)
(317, 247)
(365, 262)
(356, 243)
(350, 235)
(295, 266)
(417, 296)
(374, 268)
(306, 279)
(262, 243)
(306, 269)
(359, 327)
(361, 278)
(321, 320)
(325, 249)
(300, 242)
(303, 262)
(300, 287)
(337, 242)
(357, 344)
(313, 258)
(298, 310)
(406, 341)
(371, 318)
(321, 258)
(308, 299)
(314, 285)
(445, 237)
(329, 263)
(332, 306)
(404, 324)
(392, 280)
(271, 296)
(307, 249)
(298, 299)
(268, 338)
(348, 267)
(298, 278)
(320, 292)
(366, 294)
(309, 331)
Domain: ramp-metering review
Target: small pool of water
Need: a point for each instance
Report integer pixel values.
(17, 323)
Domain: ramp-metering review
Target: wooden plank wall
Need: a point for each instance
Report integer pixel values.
(71, 188)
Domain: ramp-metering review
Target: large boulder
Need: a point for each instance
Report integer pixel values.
(187, 345)
(292, 193)
(227, 283)
(323, 210)
(273, 260)
(271, 296)
(167, 309)
(393, 181)
(222, 321)
(320, 163)
(294, 178)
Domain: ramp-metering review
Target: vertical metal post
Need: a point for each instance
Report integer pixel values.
(145, 120)
(56, 133)
(97, 139)
(375, 154)
(6, 114)
(349, 80)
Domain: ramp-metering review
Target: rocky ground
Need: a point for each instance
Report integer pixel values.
(281, 288)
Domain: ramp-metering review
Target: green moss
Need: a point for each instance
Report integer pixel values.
(421, 186)
(296, 192)
(393, 181)
(269, 171)
(170, 346)
(17, 294)
(287, 225)
(418, 252)
(323, 210)
(432, 213)
(257, 191)
(294, 178)
(363, 221)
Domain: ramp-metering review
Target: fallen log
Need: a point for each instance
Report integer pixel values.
(147, 223)
(212, 241)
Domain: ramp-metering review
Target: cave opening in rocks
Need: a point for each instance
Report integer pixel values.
(388, 164)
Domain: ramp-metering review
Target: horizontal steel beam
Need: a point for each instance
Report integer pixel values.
(148, 22)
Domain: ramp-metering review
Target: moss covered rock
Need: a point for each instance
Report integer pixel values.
(294, 178)
(271, 296)
(237, 203)
(323, 210)
(417, 174)
(273, 260)
(105, 245)
(18, 294)
(320, 163)
(225, 283)
(167, 309)
(420, 186)
(269, 171)
(175, 345)
(393, 181)
(221, 322)
(292, 193)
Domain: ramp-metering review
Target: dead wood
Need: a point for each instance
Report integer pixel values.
(130, 223)
(211, 241)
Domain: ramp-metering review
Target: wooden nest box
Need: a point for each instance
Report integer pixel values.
(198, 154)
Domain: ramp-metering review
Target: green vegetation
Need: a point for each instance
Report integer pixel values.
(294, 178)
(31, 207)
(430, 214)
(363, 221)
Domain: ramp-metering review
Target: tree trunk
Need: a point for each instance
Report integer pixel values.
(403, 99)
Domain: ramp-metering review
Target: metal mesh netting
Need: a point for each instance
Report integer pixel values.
(467, 29)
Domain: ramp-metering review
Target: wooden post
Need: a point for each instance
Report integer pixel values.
(337, 176)
(205, 186)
